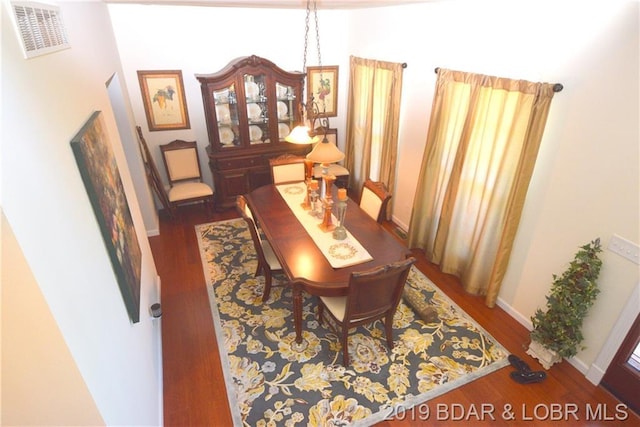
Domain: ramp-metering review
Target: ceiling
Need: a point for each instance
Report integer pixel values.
(275, 4)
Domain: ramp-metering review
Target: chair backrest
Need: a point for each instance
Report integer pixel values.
(181, 161)
(287, 168)
(153, 176)
(245, 212)
(374, 292)
(374, 199)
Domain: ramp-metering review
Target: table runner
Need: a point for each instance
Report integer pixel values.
(339, 253)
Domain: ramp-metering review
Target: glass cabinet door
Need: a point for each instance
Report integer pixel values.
(286, 96)
(257, 111)
(227, 116)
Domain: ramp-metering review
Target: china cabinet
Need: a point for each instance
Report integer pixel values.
(250, 106)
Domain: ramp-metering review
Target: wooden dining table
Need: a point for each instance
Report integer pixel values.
(304, 264)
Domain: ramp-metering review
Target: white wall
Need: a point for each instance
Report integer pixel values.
(585, 183)
(45, 101)
(53, 383)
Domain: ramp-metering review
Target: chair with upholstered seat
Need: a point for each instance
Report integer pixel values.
(372, 295)
(182, 164)
(267, 261)
(374, 199)
(287, 168)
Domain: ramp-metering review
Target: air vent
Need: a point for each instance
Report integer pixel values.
(40, 28)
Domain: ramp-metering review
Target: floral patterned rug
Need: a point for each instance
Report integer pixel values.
(272, 381)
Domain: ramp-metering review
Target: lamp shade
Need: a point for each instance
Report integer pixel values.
(325, 152)
(300, 135)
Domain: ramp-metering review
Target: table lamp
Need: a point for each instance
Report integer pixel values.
(324, 153)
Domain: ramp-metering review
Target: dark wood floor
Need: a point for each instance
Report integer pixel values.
(194, 391)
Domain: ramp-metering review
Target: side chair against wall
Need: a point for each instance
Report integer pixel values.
(267, 261)
(182, 164)
(374, 199)
(153, 176)
(287, 168)
(372, 295)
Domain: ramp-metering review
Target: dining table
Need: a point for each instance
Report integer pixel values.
(303, 262)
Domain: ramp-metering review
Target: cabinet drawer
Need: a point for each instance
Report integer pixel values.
(240, 162)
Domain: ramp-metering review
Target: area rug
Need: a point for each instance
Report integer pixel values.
(271, 380)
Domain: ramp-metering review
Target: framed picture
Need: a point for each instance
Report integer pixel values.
(164, 100)
(322, 84)
(99, 172)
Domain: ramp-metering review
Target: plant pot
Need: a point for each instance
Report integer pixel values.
(546, 357)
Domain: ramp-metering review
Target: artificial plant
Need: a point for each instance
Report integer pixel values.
(559, 327)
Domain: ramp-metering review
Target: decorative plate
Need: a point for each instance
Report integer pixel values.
(222, 111)
(226, 135)
(281, 91)
(282, 110)
(221, 95)
(283, 130)
(253, 111)
(255, 133)
(251, 90)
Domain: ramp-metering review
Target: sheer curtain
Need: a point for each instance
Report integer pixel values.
(372, 121)
(482, 144)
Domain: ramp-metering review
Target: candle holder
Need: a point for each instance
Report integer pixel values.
(340, 233)
(308, 175)
(308, 170)
(314, 199)
(327, 222)
(306, 203)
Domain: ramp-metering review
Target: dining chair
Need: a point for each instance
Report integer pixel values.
(374, 199)
(267, 261)
(182, 164)
(153, 176)
(372, 295)
(287, 168)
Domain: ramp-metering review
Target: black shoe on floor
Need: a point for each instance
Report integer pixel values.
(528, 377)
(518, 363)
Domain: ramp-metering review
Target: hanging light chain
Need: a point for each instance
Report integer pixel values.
(315, 15)
(306, 37)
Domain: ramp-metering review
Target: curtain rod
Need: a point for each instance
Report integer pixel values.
(557, 87)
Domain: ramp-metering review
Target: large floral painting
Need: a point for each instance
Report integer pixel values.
(101, 178)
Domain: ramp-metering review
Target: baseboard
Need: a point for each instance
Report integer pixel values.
(595, 374)
(157, 323)
(153, 232)
(404, 227)
(523, 320)
(526, 322)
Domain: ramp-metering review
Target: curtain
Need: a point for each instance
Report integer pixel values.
(373, 115)
(483, 140)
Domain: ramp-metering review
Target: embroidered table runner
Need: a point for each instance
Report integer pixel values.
(339, 253)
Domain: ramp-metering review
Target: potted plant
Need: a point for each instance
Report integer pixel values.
(557, 331)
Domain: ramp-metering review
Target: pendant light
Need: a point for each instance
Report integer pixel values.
(301, 134)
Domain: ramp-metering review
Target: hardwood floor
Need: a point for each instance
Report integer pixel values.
(195, 394)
